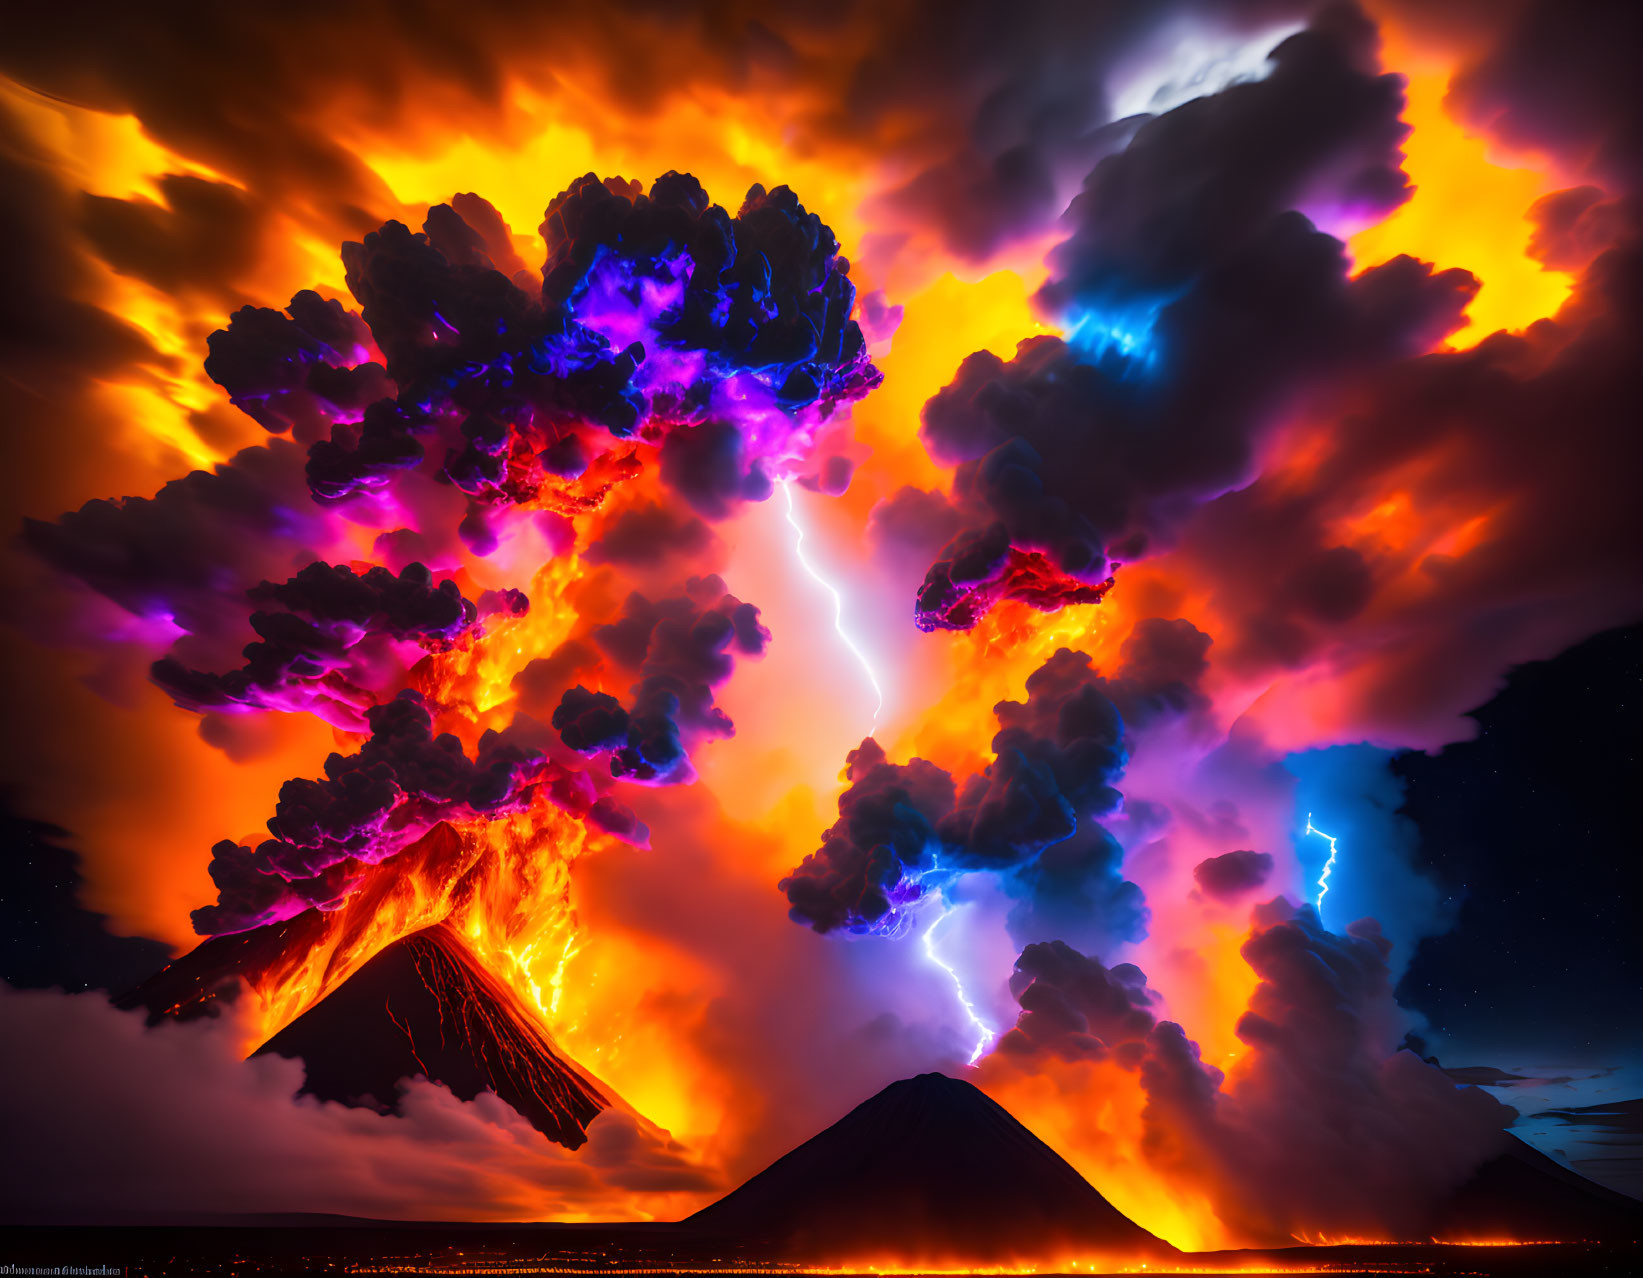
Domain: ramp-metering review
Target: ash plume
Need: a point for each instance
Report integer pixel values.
(1031, 816)
(1324, 1126)
(369, 805)
(1200, 305)
(1233, 874)
(305, 650)
(681, 648)
(660, 317)
(1076, 1008)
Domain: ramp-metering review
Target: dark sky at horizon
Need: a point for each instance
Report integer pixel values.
(1533, 825)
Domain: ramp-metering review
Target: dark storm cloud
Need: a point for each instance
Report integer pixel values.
(681, 648)
(295, 370)
(1562, 80)
(1232, 874)
(1031, 816)
(1011, 107)
(659, 313)
(1075, 891)
(1554, 554)
(1075, 1008)
(1199, 184)
(1055, 758)
(1326, 1127)
(1200, 305)
(325, 613)
(646, 534)
(1242, 344)
(886, 827)
(193, 549)
(202, 235)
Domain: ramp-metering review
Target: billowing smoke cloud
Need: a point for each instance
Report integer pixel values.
(187, 554)
(866, 872)
(369, 805)
(185, 1128)
(1075, 1008)
(301, 659)
(1541, 541)
(458, 392)
(681, 648)
(1233, 874)
(1031, 815)
(661, 321)
(1199, 305)
(1565, 87)
(660, 317)
(299, 369)
(1323, 1126)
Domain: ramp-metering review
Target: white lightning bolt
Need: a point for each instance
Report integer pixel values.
(1329, 865)
(984, 1032)
(838, 603)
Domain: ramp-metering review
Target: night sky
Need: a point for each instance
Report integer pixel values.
(1532, 826)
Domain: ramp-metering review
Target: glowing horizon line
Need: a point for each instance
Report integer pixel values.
(838, 603)
(1329, 865)
(986, 1033)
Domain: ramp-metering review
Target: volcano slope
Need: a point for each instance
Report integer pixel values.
(929, 1169)
(424, 1006)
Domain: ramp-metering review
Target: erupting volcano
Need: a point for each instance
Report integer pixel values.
(424, 1006)
(608, 581)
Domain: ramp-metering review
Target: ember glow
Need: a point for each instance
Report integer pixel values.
(1176, 411)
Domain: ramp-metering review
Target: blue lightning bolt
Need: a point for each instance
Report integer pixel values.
(1329, 865)
(985, 1033)
(838, 602)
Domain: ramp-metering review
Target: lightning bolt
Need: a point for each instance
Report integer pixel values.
(838, 603)
(1329, 865)
(985, 1033)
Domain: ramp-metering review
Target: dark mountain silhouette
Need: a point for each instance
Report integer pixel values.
(1524, 1194)
(423, 1005)
(929, 1168)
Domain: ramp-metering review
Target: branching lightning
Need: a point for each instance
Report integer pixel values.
(1329, 865)
(838, 602)
(985, 1033)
